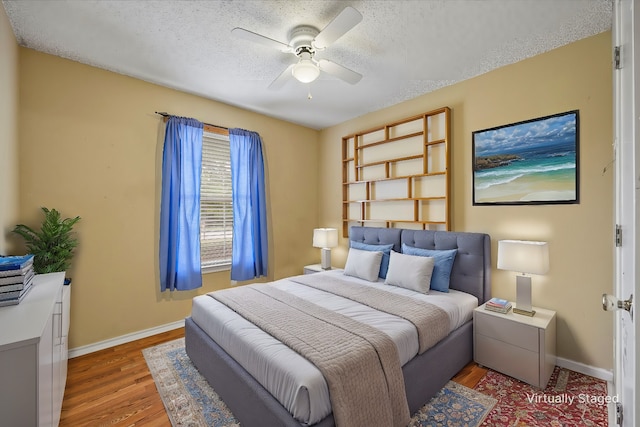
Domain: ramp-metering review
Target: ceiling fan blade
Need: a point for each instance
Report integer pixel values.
(346, 20)
(284, 77)
(257, 38)
(339, 71)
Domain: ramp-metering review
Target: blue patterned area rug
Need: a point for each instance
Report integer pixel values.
(190, 400)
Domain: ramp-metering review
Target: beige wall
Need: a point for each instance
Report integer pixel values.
(90, 145)
(8, 132)
(577, 76)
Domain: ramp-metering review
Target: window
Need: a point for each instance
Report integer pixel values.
(216, 210)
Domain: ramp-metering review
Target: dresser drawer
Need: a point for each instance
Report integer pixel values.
(508, 359)
(514, 333)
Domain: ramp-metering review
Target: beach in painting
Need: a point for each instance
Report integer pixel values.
(532, 163)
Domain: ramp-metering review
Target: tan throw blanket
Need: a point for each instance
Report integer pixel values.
(359, 363)
(431, 321)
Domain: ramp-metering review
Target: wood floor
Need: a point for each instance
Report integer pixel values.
(114, 387)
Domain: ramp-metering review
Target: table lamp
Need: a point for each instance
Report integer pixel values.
(525, 257)
(325, 238)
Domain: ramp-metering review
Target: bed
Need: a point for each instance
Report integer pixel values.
(424, 374)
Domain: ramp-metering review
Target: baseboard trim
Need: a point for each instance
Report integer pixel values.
(123, 339)
(592, 371)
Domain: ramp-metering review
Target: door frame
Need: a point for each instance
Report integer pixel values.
(626, 100)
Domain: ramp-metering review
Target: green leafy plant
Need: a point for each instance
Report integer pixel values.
(52, 245)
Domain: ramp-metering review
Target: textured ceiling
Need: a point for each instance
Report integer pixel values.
(402, 48)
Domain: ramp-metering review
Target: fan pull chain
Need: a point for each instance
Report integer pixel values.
(309, 95)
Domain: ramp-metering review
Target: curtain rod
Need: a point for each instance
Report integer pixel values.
(165, 114)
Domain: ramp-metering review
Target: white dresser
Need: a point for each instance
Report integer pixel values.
(34, 353)
(520, 346)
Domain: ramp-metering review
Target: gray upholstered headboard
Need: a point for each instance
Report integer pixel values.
(471, 270)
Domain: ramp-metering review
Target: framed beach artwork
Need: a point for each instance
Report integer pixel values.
(528, 163)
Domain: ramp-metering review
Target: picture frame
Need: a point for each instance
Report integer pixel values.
(532, 162)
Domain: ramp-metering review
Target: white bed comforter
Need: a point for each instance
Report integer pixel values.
(294, 381)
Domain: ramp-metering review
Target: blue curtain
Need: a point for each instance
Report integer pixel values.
(180, 205)
(249, 248)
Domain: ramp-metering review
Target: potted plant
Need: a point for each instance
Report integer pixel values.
(52, 245)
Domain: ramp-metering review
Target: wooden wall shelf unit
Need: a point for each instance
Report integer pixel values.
(397, 174)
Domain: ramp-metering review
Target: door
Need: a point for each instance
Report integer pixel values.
(627, 188)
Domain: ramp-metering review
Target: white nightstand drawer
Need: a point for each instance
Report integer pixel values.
(511, 360)
(514, 333)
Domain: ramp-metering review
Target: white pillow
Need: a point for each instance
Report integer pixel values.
(363, 264)
(410, 271)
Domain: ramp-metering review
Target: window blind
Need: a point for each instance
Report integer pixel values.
(216, 211)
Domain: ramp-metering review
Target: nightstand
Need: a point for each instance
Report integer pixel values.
(313, 268)
(519, 346)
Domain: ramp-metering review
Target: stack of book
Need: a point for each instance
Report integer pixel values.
(16, 277)
(499, 305)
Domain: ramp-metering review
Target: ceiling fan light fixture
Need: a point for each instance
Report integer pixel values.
(305, 71)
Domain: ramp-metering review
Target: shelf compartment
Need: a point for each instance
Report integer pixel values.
(385, 141)
(404, 177)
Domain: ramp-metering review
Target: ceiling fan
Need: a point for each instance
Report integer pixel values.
(304, 42)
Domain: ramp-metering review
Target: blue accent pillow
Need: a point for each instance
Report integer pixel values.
(385, 249)
(443, 263)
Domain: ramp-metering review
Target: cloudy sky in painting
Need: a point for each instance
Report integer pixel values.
(556, 130)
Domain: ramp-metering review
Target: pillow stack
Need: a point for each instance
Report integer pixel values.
(443, 263)
(385, 249)
(415, 268)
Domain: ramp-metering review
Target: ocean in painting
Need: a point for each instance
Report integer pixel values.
(539, 173)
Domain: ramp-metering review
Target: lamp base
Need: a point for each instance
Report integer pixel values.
(523, 296)
(325, 259)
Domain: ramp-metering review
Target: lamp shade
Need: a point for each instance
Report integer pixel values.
(523, 256)
(325, 238)
(305, 71)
